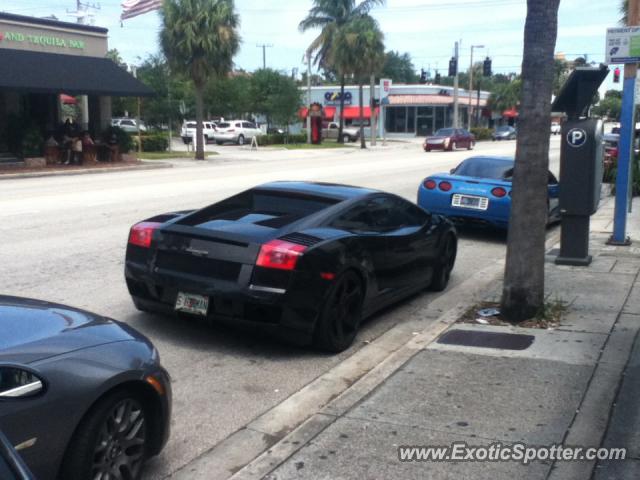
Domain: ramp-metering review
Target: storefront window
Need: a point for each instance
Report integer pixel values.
(440, 118)
(396, 121)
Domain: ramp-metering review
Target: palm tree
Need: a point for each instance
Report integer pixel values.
(523, 291)
(359, 51)
(624, 10)
(330, 16)
(199, 38)
(505, 96)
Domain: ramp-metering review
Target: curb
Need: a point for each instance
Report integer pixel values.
(86, 171)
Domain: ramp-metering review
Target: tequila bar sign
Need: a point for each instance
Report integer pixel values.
(41, 40)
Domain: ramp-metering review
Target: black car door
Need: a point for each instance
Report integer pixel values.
(370, 247)
(411, 247)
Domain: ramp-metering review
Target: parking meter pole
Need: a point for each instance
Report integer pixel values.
(308, 97)
(625, 156)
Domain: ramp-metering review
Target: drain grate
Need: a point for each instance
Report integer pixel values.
(472, 338)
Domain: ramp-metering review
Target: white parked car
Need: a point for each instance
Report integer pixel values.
(188, 131)
(555, 128)
(129, 125)
(236, 131)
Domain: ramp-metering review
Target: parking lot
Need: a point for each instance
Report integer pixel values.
(64, 240)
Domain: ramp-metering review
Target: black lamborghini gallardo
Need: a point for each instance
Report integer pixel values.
(307, 260)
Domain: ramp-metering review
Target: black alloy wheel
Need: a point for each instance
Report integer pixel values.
(442, 272)
(241, 140)
(110, 443)
(341, 315)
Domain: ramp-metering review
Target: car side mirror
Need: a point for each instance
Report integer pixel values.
(453, 170)
(17, 382)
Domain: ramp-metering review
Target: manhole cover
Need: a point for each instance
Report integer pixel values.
(472, 338)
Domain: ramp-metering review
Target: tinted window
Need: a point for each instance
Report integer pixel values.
(485, 168)
(127, 122)
(445, 132)
(191, 125)
(248, 125)
(356, 219)
(239, 125)
(503, 129)
(224, 125)
(411, 215)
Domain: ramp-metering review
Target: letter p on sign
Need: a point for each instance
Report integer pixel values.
(576, 137)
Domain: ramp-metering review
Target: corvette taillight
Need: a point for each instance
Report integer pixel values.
(445, 186)
(430, 184)
(498, 192)
(141, 233)
(280, 254)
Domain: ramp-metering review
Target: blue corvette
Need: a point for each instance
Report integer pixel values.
(478, 191)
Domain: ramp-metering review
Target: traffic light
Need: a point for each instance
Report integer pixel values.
(438, 78)
(616, 75)
(453, 67)
(423, 76)
(486, 67)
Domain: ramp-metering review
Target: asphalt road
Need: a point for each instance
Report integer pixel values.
(63, 239)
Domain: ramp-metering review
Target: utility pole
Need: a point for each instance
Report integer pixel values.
(469, 93)
(309, 97)
(456, 123)
(626, 154)
(264, 47)
(372, 110)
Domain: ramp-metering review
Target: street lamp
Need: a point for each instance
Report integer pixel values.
(471, 85)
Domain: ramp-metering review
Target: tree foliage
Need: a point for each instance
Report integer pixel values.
(200, 38)
(399, 67)
(274, 95)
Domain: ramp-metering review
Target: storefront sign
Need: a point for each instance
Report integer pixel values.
(385, 90)
(623, 45)
(41, 40)
(333, 98)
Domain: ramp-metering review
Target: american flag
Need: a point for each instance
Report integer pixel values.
(133, 8)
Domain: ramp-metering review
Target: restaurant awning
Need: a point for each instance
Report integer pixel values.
(511, 113)
(38, 72)
(351, 113)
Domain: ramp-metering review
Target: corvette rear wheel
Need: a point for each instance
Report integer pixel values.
(442, 272)
(111, 442)
(341, 315)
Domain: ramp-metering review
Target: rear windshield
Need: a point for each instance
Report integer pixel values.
(224, 125)
(191, 125)
(262, 207)
(495, 168)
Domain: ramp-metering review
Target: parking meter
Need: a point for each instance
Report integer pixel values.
(581, 164)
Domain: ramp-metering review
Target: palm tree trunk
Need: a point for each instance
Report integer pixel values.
(341, 123)
(363, 144)
(523, 291)
(199, 119)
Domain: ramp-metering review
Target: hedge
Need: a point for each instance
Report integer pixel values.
(482, 133)
(154, 142)
(281, 138)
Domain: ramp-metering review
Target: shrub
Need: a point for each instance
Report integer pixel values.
(281, 138)
(155, 142)
(611, 174)
(482, 133)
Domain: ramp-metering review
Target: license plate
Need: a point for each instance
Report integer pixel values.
(470, 201)
(192, 303)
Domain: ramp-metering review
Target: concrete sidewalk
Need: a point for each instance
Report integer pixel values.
(560, 390)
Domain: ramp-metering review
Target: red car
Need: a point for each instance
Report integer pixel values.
(449, 139)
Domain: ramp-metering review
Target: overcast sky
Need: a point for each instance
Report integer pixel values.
(427, 29)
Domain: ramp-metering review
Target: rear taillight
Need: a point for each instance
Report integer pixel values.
(498, 192)
(445, 186)
(280, 254)
(142, 232)
(430, 184)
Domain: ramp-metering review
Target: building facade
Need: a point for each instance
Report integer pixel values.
(45, 61)
(409, 110)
